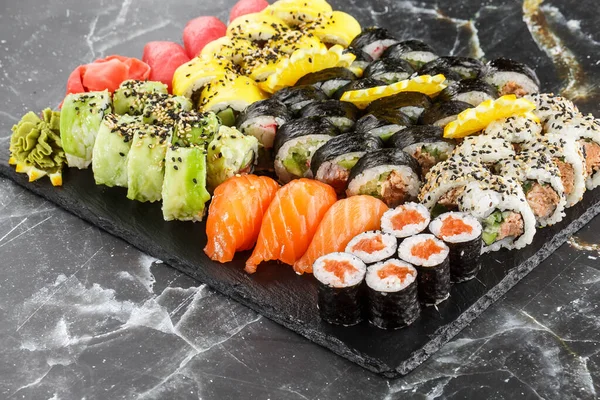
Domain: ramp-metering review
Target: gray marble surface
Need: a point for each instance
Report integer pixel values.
(84, 315)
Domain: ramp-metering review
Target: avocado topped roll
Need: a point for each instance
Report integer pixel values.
(441, 114)
(111, 149)
(130, 97)
(229, 153)
(472, 91)
(416, 52)
(164, 109)
(373, 41)
(295, 144)
(328, 80)
(425, 143)
(80, 119)
(146, 162)
(511, 77)
(388, 174)
(340, 113)
(465, 67)
(389, 70)
(333, 161)
(410, 103)
(299, 96)
(262, 120)
(383, 123)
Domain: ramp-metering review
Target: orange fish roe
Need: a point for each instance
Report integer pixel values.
(454, 226)
(406, 217)
(394, 270)
(426, 249)
(369, 245)
(339, 268)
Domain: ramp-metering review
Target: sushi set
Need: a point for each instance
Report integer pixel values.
(364, 191)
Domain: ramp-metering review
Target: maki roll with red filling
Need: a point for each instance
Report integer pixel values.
(425, 143)
(262, 119)
(512, 77)
(372, 246)
(373, 41)
(392, 300)
(462, 234)
(339, 277)
(405, 220)
(429, 255)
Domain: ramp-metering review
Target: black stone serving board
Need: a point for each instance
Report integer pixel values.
(276, 292)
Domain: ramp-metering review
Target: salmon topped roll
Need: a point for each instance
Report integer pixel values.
(290, 222)
(236, 213)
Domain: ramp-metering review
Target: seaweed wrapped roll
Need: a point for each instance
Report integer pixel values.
(361, 61)
(358, 84)
(299, 96)
(372, 246)
(465, 67)
(373, 41)
(410, 103)
(388, 174)
(328, 80)
(472, 91)
(383, 123)
(340, 113)
(405, 220)
(262, 119)
(425, 143)
(389, 70)
(416, 52)
(512, 77)
(441, 114)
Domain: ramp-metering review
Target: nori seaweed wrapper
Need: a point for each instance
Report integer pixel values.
(440, 66)
(508, 65)
(302, 127)
(361, 56)
(442, 110)
(350, 142)
(393, 310)
(269, 107)
(326, 75)
(464, 259)
(381, 118)
(330, 108)
(384, 157)
(466, 67)
(466, 86)
(399, 100)
(370, 35)
(386, 65)
(417, 134)
(406, 46)
(292, 96)
(358, 84)
(340, 306)
(434, 282)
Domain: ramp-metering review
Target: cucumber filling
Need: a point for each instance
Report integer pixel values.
(502, 224)
(298, 159)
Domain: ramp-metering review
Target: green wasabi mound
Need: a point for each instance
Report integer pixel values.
(111, 150)
(130, 97)
(80, 120)
(230, 153)
(36, 148)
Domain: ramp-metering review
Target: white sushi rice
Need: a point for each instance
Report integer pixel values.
(412, 183)
(407, 230)
(259, 127)
(389, 243)
(445, 121)
(413, 112)
(284, 151)
(391, 283)
(330, 86)
(405, 251)
(376, 49)
(419, 58)
(436, 226)
(484, 148)
(342, 123)
(474, 98)
(391, 77)
(501, 78)
(351, 278)
(548, 104)
(386, 130)
(517, 129)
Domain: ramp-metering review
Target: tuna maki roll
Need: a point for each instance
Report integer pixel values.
(340, 113)
(465, 67)
(130, 97)
(299, 96)
(511, 77)
(389, 70)
(388, 174)
(295, 144)
(472, 91)
(332, 162)
(339, 277)
(416, 52)
(392, 294)
(262, 119)
(328, 80)
(373, 41)
(462, 234)
(425, 143)
(441, 114)
(410, 103)
(405, 220)
(383, 123)
(358, 84)
(429, 255)
(373, 246)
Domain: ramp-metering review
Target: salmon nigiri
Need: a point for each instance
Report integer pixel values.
(236, 213)
(344, 220)
(291, 221)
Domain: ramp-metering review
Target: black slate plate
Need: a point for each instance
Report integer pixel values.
(276, 292)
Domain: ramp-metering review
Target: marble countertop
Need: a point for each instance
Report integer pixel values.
(84, 315)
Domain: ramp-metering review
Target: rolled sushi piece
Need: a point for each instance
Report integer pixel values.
(111, 149)
(441, 114)
(146, 162)
(485, 149)
(194, 129)
(406, 220)
(425, 143)
(466, 67)
(566, 154)
(361, 61)
(389, 70)
(500, 204)
(392, 300)
(227, 97)
(340, 113)
(329, 80)
(472, 91)
(416, 52)
(372, 246)
(461, 232)
(358, 84)
(410, 103)
(262, 120)
(373, 41)
(387, 174)
(332, 162)
(548, 105)
(164, 109)
(299, 96)
(516, 130)
(80, 119)
(339, 277)
(130, 97)
(383, 123)
(229, 153)
(511, 77)
(541, 182)
(440, 66)
(430, 256)
(295, 144)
